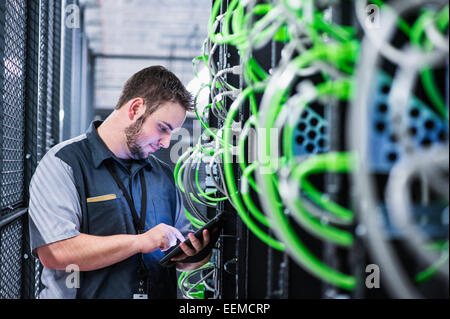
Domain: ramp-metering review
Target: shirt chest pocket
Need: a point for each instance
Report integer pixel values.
(106, 215)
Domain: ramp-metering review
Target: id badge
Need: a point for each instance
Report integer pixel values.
(140, 296)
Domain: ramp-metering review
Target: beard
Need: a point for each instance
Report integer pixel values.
(132, 133)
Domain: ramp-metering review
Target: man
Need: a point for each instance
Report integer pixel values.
(103, 204)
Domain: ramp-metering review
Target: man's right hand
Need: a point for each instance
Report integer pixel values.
(161, 236)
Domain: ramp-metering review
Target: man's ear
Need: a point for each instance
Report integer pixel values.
(136, 107)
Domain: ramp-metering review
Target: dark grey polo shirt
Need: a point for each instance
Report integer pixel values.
(72, 192)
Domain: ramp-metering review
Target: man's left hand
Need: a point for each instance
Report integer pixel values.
(198, 245)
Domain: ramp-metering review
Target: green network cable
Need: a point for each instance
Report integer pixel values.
(192, 195)
(428, 273)
(203, 58)
(227, 156)
(246, 196)
(178, 165)
(241, 146)
(230, 180)
(206, 195)
(253, 72)
(246, 171)
(197, 223)
(199, 287)
(343, 58)
(340, 89)
(329, 162)
(417, 32)
(305, 257)
(178, 171)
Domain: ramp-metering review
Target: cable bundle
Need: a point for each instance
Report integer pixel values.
(327, 63)
(424, 51)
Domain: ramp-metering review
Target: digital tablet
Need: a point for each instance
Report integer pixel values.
(176, 250)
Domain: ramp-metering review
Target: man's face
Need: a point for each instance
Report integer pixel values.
(147, 135)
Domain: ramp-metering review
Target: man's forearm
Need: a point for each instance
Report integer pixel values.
(89, 252)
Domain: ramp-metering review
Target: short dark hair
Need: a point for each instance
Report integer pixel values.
(155, 85)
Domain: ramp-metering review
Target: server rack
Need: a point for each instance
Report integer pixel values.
(324, 132)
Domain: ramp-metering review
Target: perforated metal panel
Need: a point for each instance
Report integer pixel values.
(50, 79)
(310, 135)
(56, 67)
(42, 78)
(10, 260)
(424, 127)
(67, 75)
(32, 88)
(29, 109)
(13, 43)
(12, 72)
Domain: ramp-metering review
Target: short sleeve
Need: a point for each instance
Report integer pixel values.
(54, 207)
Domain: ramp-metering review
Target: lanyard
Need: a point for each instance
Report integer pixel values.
(138, 222)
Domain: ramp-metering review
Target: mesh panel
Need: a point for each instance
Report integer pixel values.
(29, 113)
(10, 260)
(32, 88)
(13, 29)
(67, 76)
(56, 43)
(50, 80)
(42, 79)
(43, 60)
(12, 96)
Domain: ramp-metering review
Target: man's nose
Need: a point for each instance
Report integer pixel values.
(164, 142)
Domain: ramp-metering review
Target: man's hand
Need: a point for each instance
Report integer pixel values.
(197, 245)
(161, 236)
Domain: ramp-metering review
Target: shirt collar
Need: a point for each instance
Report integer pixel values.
(99, 150)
